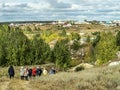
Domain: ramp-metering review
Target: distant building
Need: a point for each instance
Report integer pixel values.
(116, 22)
(54, 23)
(61, 22)
(11, 24)
(67, 25)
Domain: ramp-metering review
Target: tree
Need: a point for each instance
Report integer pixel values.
(97, 39)
(13, 46)
(62, 54)
(106, 48)
(4, 32)
(40, 51)
(75, 36)
(118, 39)
(63, 33)
(90, 53)
(75, 45)
(17, 47)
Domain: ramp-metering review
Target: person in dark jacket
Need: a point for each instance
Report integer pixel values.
(11, 72)
(29, 72)
(52, 71)
(38, 71)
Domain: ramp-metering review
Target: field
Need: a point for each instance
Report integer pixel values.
(97, 78)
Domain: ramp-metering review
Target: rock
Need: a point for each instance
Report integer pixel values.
(114, 63)
(118, 88)
(85, 65)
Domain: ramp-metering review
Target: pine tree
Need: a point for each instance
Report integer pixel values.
(106, 48)
(40, 50)
(62, 54)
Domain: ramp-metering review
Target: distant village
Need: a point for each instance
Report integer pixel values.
(67, 23)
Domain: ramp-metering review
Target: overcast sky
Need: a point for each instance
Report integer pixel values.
(40, 10)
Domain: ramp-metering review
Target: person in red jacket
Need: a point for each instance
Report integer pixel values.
(34, 72)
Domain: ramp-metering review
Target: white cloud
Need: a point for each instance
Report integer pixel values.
(59, 9)
(39, 6)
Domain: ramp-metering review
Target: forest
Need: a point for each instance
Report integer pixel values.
(17, 49)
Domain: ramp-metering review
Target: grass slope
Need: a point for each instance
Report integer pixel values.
(99, 78)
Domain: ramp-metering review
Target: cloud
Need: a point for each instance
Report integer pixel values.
(58, 4)
(59, 9)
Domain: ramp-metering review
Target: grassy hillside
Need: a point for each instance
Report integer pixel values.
(99, 78)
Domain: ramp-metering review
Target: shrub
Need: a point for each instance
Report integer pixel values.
(88, 28)
(74, 63)
(80, 68)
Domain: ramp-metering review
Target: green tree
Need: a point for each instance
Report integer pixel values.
(63, 33)
(75, 36)
(17, 47)
(62, 54)
(40, 51)
(118, 39)
(106, 48)
(76, 45)
(4, 32)
(13, 46)
(96, 40)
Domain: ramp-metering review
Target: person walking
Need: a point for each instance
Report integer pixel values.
(45, 72)
(34, 72)
(26, 73)
(30, 72)
(22, 73)
(38, 71)
(52, 71)
(11, 72)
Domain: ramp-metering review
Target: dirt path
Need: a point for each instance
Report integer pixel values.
(4, 85)
(15, 84)
(26, 85)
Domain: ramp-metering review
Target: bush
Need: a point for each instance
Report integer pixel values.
(74, 63)
(88, 28)
(80, 68)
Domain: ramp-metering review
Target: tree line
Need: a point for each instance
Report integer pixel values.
(17, 49)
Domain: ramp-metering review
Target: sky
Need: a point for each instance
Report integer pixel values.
(47, 10)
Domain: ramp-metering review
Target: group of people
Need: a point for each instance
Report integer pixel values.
(26, 73)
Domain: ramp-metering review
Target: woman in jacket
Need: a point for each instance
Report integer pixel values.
(11, 72)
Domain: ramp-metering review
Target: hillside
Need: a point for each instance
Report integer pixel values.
(17, 49)
(34, 44)
(98, 78)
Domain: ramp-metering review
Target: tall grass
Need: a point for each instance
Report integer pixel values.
(106, 78)
(99, 78)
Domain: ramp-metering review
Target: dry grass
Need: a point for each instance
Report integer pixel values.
(91, 79)
(99, 78)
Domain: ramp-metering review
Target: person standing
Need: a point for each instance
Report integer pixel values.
(30, 72)
(52, 71)
(22, 73)
(34, 72)
(38, 71)
(26, 73)
(45, 72)
(11, 72)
